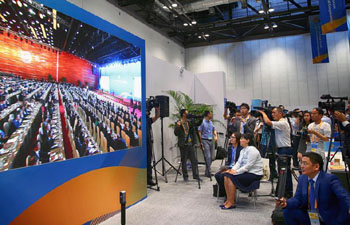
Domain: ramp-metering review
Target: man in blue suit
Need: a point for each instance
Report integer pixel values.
(316, 192)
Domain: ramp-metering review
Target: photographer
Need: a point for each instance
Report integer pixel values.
(303, 134)
(207, 133)
(346, 126)
(283, 141)
(186, 138)
(319, 132)
(149, 122)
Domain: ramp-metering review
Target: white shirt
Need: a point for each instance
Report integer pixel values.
(249, 161)
(282, 133)
(323, 128)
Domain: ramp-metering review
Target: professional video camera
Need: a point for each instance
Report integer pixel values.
(267, 108)
(195, 118)
(232, 107)
(333, 105)
(151, 103)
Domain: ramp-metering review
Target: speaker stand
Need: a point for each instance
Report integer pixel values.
(163, 159)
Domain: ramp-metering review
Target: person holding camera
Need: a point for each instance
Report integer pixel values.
(186, 138)
(346, 126)
(319, 198)
(149, 122)
(319, 132)
(283, 142)
(303, 134)
(207, 134)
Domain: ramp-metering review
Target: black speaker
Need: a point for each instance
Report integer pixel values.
(164, 105)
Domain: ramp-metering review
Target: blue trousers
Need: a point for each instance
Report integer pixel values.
(296, 217)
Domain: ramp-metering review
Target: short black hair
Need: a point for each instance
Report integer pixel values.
(206, 113)
(182, 111)
(250, 138)
(245, 105)
(319, 110)
(315, 158)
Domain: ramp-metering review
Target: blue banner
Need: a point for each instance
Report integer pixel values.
(348, 16)
(318, 41)
(333, 16)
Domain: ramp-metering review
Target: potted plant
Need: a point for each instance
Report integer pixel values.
(64, 80)
(50, 78)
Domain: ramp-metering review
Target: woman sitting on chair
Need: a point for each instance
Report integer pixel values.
(233, 152)
(248, 168)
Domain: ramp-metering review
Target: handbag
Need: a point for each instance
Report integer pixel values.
(221, 153)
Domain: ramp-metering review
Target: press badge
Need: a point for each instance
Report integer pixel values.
(314, 147)
(314, 218)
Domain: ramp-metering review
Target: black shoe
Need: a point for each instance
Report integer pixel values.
(151, 183)
(197, 178)
(186, 179)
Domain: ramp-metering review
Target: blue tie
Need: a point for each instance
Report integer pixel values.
(312, 195)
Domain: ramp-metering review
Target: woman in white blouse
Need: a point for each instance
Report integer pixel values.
(249, 168)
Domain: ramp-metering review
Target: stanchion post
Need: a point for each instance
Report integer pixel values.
(122, 203)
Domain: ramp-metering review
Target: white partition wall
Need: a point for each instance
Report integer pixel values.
(278, 69)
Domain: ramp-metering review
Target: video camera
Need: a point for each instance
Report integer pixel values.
(195, 118)
(267, 108)
(333, 105)
(151, 103)
(232, 107)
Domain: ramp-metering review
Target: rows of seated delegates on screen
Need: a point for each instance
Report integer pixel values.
(26, 108)
(110, 124)
(42, 122)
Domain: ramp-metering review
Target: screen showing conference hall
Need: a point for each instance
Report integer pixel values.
(67, 89)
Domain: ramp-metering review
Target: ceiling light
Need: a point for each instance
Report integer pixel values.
(194, 22)
(274, 25)
(25, 21)
(14, 1)
(199, 37)
(266, 27)
(185, 24)
(7, 12)
(81, 25)
(207, 35)
(20, 13)
(174, 5)
(19, 3)
(58, 25)
(261, 11)
(271, 9)
(41, 15)
(165, 7)
(25, 4)
(31, 11)
(49, 12)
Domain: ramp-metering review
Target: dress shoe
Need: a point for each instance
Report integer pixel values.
(151, 183)
(231, 207)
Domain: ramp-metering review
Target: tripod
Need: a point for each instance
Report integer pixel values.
(155, 171)
(344, 151)
(163, 159)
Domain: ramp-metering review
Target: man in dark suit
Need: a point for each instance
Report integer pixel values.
(186, 137)
(346, 127)
(319, 193)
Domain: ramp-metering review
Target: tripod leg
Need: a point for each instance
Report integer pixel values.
(178, 173)
(154, 168)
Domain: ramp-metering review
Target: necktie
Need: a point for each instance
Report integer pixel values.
(312, 195)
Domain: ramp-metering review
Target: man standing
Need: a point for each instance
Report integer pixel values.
(248, 122)
(207, 133)
(149, 122)
(186, 136)
(346, 126)
(319, 132)
(319, 198)
(283, 142)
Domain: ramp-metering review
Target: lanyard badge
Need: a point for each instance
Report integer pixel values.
(314, 218)
(314, 147)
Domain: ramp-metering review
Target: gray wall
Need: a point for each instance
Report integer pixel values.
(277, 69)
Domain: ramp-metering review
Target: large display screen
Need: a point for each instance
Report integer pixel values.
(68, 90)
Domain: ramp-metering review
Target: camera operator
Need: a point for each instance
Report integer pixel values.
(186, 137)
(283, 141)
(346, 125)
(296, 123)
(248, 122)
(319, 132)
(303, 134)
(207, 133)
(149, 122)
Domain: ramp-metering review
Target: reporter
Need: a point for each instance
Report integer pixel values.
(248, 168)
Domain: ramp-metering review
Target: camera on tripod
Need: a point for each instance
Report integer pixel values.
(331, 104)
(232, 107)
(152, 103)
